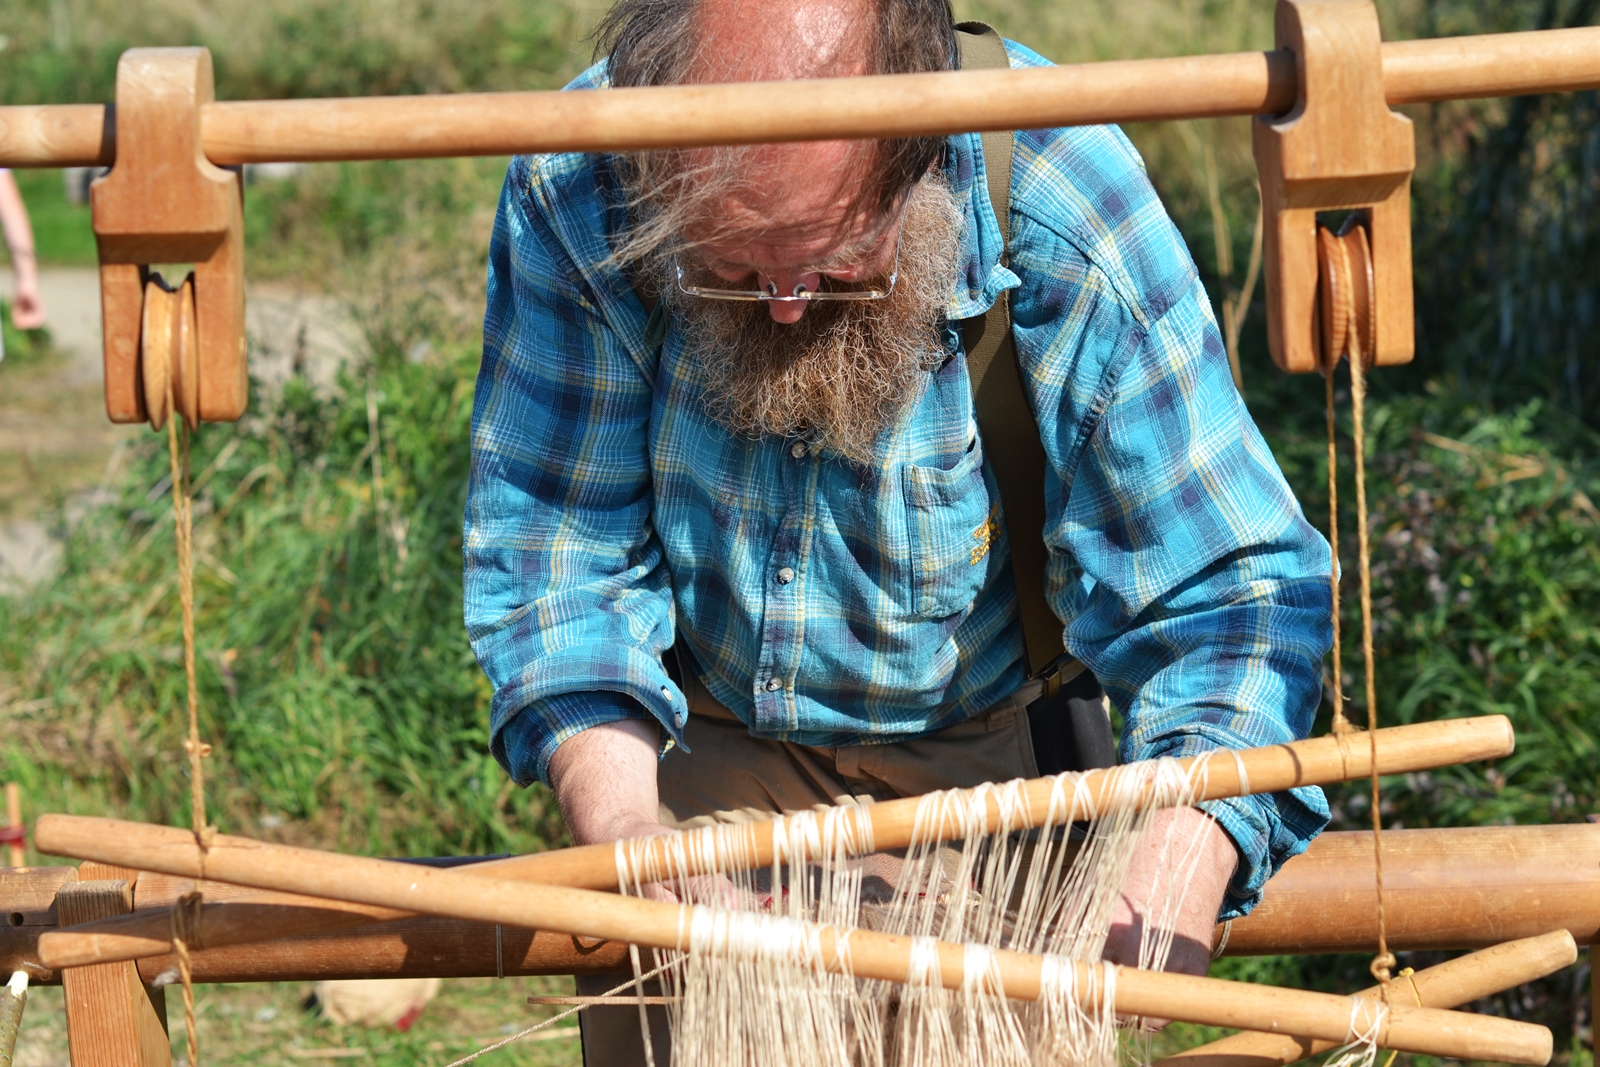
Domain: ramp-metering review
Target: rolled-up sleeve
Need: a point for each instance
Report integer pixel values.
(568, 601)
(1189, 579)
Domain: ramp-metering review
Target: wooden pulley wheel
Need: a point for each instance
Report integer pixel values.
(1345, 291)
(169, 353)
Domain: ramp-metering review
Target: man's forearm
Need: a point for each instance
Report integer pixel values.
(605, 781)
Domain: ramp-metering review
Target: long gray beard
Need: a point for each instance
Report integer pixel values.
(845, 372)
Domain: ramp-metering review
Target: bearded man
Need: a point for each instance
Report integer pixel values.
(776, 478)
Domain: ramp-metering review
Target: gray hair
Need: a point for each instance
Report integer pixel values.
(656, 42)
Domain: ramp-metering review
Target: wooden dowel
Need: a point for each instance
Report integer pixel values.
(890, 825)
(1226, 773)
(1499, 64)
(464, 893)
(1445, 889)
(1448, 985)
(754, 113)
(492, 124)
(58, 135)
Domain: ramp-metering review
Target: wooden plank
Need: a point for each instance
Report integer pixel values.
(113, 1019)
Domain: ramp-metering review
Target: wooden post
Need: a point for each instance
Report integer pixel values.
(113, 1019)
(15, 828)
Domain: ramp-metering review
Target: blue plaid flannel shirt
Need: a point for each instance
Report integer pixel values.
(608, 514)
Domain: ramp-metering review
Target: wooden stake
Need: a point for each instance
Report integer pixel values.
(465, 894)
(890, 824)
(1449, 985)
(14, 824)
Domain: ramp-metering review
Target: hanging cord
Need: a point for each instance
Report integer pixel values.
(1383, 963)
(186, 911)
(1341, 725)
(1349, 331)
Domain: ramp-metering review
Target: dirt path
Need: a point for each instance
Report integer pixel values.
(56, 445)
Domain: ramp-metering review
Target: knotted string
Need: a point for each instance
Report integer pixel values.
(186, 911)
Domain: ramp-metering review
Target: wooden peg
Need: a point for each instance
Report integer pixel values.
(15, 831)
(164, 203)
(1338, 148)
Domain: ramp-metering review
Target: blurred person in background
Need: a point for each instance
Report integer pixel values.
(27, 310)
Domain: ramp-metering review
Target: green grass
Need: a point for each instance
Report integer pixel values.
(337, 682)
(265, 1023)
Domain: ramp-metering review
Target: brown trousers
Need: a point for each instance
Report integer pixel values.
(731, 777)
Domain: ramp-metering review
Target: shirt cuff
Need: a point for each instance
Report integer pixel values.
(1268, 829)
(527, 741)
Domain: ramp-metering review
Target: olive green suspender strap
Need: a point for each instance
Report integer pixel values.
(1005, 418)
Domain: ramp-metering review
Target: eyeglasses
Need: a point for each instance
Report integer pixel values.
(770, 293)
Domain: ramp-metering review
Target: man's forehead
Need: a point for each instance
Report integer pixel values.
(805, 199)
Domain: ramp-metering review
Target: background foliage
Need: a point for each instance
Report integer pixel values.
(337, 679)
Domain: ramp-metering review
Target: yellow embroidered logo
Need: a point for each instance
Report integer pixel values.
(985, 534)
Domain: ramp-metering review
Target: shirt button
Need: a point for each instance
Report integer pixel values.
(798, 450)
(785, 575)
(773, 685)
(666, 694)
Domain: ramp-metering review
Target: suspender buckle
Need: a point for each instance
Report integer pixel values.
(1063, 669)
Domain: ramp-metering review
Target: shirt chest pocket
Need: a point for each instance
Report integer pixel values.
(952, 519)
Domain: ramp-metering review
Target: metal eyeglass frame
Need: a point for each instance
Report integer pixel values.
(801, 293)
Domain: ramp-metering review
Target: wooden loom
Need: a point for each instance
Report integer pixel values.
(1328, 141)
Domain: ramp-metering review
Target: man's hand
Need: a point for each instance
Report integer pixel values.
(605, 783)
(1144, 901)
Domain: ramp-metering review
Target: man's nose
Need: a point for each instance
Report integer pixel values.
(788, 283)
